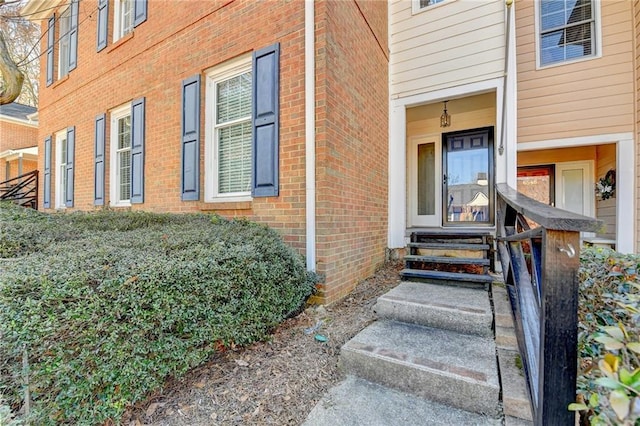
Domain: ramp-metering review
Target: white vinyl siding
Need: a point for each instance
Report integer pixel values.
(64, 42)
(458, 42)
(121, 157)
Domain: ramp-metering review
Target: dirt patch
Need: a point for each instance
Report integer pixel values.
(276, 382)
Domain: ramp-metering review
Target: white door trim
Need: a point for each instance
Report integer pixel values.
(413, 219)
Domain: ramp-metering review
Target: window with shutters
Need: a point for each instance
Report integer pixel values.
(568, 30)
(61, 166)
(123, 18)
(121, 156)
(228, 132)
(64, 42)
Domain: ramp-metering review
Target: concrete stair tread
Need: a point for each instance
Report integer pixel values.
(480, 279)
(442, 365)
(466, 310)
(357, 402)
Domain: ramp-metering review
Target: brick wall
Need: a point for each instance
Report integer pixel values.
(159, 54)
(15, 136)
(352, 96)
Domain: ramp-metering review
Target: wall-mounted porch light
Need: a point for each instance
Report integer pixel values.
(445, 118)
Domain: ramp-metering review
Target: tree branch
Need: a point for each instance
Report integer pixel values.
(12, 75)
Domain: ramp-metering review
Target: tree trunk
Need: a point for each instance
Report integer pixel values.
(12, 76)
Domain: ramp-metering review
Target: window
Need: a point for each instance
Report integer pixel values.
(61, 169)
(229, 97)
(123, 18)
(567, 30)
(63, 43)
(427, 3)
(121, 156)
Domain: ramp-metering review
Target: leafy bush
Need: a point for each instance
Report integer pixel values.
(108, 312)
(609, 338)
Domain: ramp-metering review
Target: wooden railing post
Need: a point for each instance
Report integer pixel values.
(558, 327)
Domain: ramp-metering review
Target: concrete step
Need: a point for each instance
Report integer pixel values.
(357, 402)
(515, 397)
(441, 365)
(464, 310)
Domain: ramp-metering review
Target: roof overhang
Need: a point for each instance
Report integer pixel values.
(39, 9)
(30, 153)
(14, 120)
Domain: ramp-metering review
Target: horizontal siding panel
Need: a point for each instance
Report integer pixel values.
(576, 125)
(427, 83)
(550, 95)
(461, 57)
(456, 17)
(489, 36)
(624, 102)
(457, 68)
(614, 64)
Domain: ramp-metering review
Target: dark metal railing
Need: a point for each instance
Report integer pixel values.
(539, 248)
(22, 190)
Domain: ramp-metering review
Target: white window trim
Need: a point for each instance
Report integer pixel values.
(117, 20)
(64, 40)
(60, 202)
(114, 179)
(227, 70)
(597, 17)
(415, 6)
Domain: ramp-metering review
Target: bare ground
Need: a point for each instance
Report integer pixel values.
(269, 383)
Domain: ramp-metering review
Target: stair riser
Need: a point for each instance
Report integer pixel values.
(464, 284)
(461, 321)
(471, 395)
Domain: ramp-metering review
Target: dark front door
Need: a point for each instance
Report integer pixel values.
(468, 178)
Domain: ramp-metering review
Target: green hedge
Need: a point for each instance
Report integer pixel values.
(109, 305)
(609, 338)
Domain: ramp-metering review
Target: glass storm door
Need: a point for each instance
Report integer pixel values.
(424, 181)
(468, 178)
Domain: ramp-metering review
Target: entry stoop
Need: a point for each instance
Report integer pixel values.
(431, 352)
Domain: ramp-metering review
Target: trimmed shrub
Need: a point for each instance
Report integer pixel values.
(108, 313)
(609, 338)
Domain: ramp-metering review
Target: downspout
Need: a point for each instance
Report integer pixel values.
(503, 129)
(309, 132)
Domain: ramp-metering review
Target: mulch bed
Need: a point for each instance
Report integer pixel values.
(272, 383)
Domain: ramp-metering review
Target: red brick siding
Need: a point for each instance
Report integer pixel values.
(352, 96)
(178, 42)
(14, 136)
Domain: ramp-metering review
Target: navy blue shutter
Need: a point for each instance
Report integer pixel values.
(46, 190)
(139, 12)
(71, 144)
(103, 24)
(265, 112)
(50, 42)
(73, 36)
(137, 151)
(190, 176)
(98, 183)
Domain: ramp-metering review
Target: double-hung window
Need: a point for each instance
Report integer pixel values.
(64, 42)
(61, 169)
(121, 156)
(123, 18)
(567, 30)
(229, 97)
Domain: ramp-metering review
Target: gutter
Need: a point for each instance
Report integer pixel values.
(310, 134)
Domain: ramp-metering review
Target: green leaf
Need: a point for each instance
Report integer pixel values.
(625, 376)
(575, 406)
(608, 382)
(593, 400)
(609, 343)
(620, 404)
(614, 332)
(634, 346)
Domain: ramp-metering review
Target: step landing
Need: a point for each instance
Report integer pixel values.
(464, 310)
